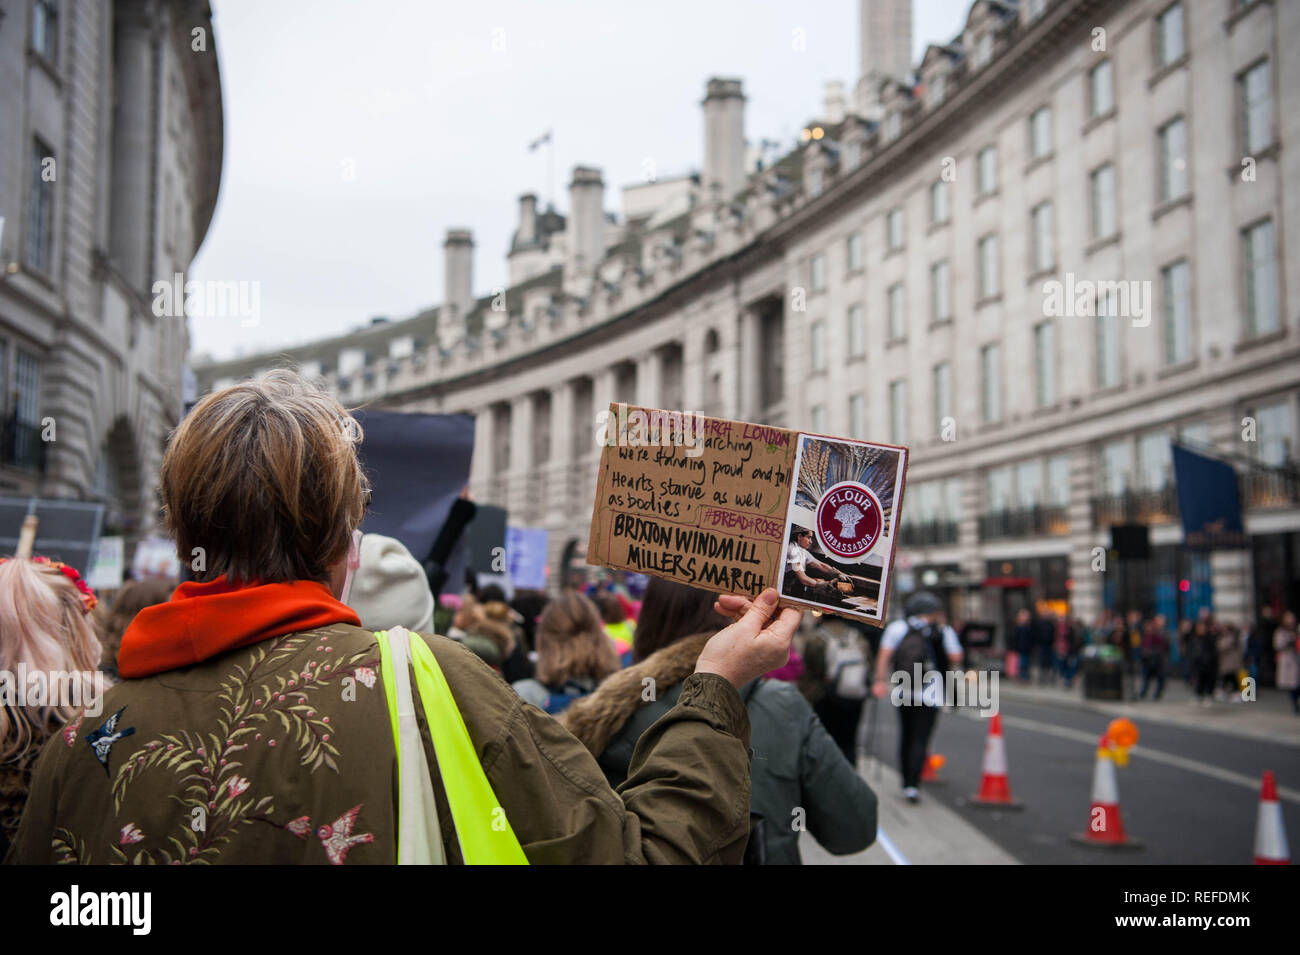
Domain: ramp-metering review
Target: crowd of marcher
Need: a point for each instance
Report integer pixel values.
(252, 716)
(1215, 657)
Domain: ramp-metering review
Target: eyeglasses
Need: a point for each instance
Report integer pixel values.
(366, 496)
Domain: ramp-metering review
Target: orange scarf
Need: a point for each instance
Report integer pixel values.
(203, 620)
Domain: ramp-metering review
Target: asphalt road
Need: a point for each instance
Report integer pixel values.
(1192, 799)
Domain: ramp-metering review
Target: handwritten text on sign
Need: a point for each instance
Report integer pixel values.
(714, 519)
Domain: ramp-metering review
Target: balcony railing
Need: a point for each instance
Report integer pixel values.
(928, 533)
(1146, 506)
(1028, 522)
(21, 445)
(1270, 487)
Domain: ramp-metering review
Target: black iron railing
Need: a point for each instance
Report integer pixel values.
(1027, 522)
(21, 445)
(1151, 506)
(928, 533)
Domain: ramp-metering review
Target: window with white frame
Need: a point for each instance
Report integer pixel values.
(815, 179)
(1154, 460)
(952, 498)
(991, 383)
(27, 388)
(858, 416)
(898, 411)
(1101, 89)
(990, 268)
(986, 170)
(1170, 43)
(894, 229)
(1175, 285)
(942, 396)
(819, 419)
(45, 28)
(897, 312)
(984, 48)
(940, 292)
(1029, 483)
(40, 210)
(857, 320)
(817, 272)
(1058, 481)
(938, 202)
(1260, 279)
(1274, 433)
(1107, 365)
(1042, 251)
(1045, 380)
(1115, 467)
(817, 346)
(1173, 160)
(1040, 132)
(997, 489)
(935, 90)
(853, 251)
(1102, 187)
(852, 154)
(1256, 97)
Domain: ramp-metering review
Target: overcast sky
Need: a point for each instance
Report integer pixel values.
(358, 131)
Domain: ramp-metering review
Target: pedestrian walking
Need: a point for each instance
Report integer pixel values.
(798, 773)
(921, 640)
(1203, 655)
(1287, 645)
(1023, 640)
(263, 685)
(1231, 662)
(1155, 652)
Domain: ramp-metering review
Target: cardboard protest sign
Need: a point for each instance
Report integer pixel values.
(735, 507)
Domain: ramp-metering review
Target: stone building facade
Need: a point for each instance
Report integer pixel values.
(1058, 243)
(110, 161)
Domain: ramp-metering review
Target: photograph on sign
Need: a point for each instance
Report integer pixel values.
(715, 503)
(840, 525)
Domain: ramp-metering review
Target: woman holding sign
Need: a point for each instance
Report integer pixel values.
(254, 724)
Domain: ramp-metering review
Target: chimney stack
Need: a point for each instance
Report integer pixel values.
(884, 50)
(527, 219)
(585, 227)
(724, 139)
(458, 271)
(833, 102)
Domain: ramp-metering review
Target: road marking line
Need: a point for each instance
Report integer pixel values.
(1155, 755)
(891, 850)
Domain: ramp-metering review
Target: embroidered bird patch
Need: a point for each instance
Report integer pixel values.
(338, 838)
(102, 739)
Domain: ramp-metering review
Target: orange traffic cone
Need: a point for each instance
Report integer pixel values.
(1105, 827)
(930, 772)
(995, 793)
(1270, 833)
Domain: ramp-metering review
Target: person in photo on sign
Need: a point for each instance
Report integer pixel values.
(258, 681)
(812, 578)
(921, 639)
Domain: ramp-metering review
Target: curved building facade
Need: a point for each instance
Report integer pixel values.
(1058, 243)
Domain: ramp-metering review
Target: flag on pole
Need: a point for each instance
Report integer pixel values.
(540, 141)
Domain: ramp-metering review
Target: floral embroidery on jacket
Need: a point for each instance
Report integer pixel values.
(218, 800)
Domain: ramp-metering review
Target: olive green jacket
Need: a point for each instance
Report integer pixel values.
(282, 753)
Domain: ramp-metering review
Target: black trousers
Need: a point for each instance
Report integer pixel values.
(841, 717)
(916, 725)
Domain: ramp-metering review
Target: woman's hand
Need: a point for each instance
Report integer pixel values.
(756, 643)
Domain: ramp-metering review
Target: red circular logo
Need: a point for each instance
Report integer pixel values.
(849, 520)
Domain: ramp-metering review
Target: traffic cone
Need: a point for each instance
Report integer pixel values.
(1105, 826)
(930, 772)
(994, 792)
(1270, 833)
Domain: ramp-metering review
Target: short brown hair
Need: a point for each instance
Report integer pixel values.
(264, 477)
(572, 643)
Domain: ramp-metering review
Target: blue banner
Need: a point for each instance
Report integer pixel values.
(526, 557)
(1208, 502)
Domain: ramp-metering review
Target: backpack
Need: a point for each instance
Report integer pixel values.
(846, 668)
(920, 645)
(561, 701)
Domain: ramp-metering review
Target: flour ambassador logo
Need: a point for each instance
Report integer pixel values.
(849, 520)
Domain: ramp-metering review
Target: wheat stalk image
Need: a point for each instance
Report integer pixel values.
(824, 464)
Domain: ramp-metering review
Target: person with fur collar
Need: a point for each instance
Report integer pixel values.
(795, 766)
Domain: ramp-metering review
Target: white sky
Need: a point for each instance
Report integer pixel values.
(433, 104)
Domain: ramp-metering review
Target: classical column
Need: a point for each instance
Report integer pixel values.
(695, 370)
(1086, 593)
(747, 364)
(649, 373)
(562, 436)
(480, 468)
(133, 144)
